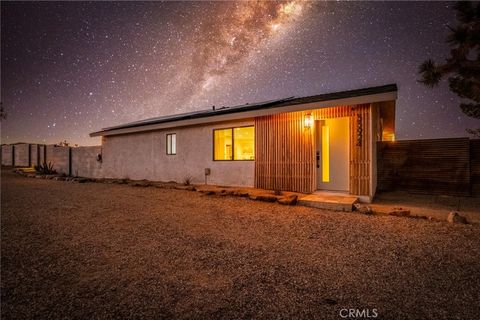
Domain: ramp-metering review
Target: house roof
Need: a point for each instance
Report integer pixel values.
(375, 94)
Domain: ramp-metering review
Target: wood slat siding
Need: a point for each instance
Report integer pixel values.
(475, 166)
(434, 166)
(285, 150)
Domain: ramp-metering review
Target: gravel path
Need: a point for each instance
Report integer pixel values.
(73, 250)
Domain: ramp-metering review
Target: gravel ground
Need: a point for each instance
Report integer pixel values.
(91, 250)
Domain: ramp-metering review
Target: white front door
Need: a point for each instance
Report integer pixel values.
(332, 152)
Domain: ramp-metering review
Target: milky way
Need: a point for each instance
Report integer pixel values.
(70, 68)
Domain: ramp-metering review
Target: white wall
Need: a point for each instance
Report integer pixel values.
(58, 156)
(33, 155)
(7, 155)
(143, 156)
(84, 162)
(21, 155)
(42, 154)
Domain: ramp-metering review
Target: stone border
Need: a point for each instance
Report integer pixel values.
(285, 199)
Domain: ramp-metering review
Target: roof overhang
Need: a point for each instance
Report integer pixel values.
(247, 114)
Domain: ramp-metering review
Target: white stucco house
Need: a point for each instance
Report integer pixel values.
(321, 142)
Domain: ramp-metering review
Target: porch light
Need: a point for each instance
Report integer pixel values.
(308, 120)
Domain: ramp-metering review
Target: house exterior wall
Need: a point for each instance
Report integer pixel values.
(143, 156)
(285, 155)
(376, 135)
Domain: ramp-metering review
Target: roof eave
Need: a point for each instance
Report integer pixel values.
(245, 114)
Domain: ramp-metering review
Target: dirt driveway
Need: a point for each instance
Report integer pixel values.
(90, 250)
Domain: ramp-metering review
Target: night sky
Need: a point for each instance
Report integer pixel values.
(71, 68)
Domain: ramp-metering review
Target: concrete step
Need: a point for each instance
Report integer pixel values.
(329, 202)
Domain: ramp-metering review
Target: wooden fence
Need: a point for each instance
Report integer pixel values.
(434, 166)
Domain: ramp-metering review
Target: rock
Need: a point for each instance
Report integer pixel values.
(266, 198)
(330, 301)
(142, 184)
(209, 192)
(118, 181)
(240, 194)
(82, 180)
(39, 177)
(289, 200)
(399, 212)
(188, 188)
(59, 178)
(30, 175)
(454, 217)
(363, 209)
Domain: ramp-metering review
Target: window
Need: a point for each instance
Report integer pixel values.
(172, 143)
(223, 141)
(234, 143)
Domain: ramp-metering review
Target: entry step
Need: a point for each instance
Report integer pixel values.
(329, 202)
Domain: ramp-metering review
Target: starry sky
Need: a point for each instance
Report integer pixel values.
(71, 68)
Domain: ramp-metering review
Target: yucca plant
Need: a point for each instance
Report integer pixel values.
(45, 168)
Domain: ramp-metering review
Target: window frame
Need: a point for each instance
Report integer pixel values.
(233, 143)
(166, 144)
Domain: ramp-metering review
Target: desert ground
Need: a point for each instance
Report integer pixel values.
(91, 250)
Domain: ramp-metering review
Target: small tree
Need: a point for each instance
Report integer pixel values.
(463, 65)
(63, 143)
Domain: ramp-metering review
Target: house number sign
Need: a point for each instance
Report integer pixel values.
(359, 130)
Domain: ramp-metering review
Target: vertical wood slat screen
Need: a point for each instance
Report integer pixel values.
(284, 153)
(285, 150)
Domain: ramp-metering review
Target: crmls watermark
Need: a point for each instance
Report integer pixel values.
(358, 313)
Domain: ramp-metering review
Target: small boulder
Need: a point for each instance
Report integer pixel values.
(290, 200)
(187, 188)
(266, 198)
(141, 184)
(363, 209)
(224, 192)
(240, 194)
(454, 217)
(399, 212)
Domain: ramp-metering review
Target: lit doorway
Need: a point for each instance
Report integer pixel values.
(332, 154)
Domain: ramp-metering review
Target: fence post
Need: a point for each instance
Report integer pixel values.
(38, 154)
(29, 155)
(13, 155)
(70, 161)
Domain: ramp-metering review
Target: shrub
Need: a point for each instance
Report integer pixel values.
(45, 168)
(187, 180)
